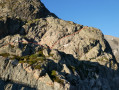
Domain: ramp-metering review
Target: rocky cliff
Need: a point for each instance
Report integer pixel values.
(114, 43)
(40, 51)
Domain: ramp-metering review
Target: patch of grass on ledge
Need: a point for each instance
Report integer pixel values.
(32, 21)
(35, 60)
(55, 78)
(5, 54)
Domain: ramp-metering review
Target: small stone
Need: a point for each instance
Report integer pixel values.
(66, 69)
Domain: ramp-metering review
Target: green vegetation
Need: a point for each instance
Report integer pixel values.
(5, 54)
(35, 60)
(55, 78)
(51, 55)
(15, 57)
(93, 30)
(32, 21)
(103, 59)
(53, 73)
(40, 53)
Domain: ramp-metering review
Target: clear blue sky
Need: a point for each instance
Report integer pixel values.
(102, 14)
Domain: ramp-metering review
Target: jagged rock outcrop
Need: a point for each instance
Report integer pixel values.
(15, 13)
(40, 51)
(114, 43)
(64, 36)
(61, 73)
(23, 9)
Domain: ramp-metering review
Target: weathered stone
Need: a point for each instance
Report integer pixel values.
(66, 69)
(55, 54)
(46, 79)
(46, 52)
(57, 86)
(36, 74)
(29, 69)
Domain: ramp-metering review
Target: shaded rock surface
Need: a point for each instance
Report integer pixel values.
(8, 85)
(114, 43)
(40, 51)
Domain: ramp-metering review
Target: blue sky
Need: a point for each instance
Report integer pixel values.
(102, 14)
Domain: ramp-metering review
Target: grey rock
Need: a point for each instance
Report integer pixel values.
(23, 9)
(114, 43)
(84, 79)
(55, 54)
(66, 69)
(19, 74)
(46, 52)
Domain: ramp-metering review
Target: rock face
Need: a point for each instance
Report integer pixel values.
(39, 51)
(114, 43)
(23, 9)
(65, 73)
(14, 13)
